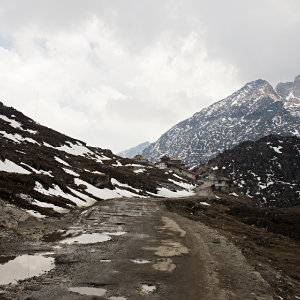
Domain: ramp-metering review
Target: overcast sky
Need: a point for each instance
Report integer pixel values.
(117, 73)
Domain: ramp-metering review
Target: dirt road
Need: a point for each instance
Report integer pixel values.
(146, 253)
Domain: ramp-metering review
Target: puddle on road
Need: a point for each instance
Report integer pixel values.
(147, 289)
(105, 260)
(88, 291)
(57, 236)
(24, 266)
(140, 261)
(79, 236)
(87, 239)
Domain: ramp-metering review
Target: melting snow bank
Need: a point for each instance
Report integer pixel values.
(80, 199)
(56, 191)
(170, 194)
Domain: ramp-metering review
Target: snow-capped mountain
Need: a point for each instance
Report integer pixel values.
(47, 173)
(252, 112)
(129, 153)
(266, 170)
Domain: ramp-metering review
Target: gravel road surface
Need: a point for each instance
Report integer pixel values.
(143, 252)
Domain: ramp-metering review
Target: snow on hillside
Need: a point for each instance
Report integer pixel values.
(252, 112)
(47, 173)
(266, 170)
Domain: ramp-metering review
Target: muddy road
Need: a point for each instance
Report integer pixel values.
(139, 251)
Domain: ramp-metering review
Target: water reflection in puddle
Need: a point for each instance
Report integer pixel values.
(88, 291)
(105, 260)
(147, 289)
(57, 236)
(5, 259)
(87, 238)
(24, 266)
(140, 261)
(79, 236)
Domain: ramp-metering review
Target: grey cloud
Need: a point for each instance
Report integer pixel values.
(257, 39)
(256, 36)
(141, 112)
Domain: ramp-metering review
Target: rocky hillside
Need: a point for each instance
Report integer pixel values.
(252, 112)
(47, 173)
(266, 170)
(129, 153)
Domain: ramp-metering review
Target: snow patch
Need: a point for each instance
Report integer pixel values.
(61, 161)
(234, 194)
(35, 214)
(75, 149)
(38, 171)
(17, 138)
(71, 172)
(169, 194)
(56, 191)
(12, 123)
(205, 203)
(187, 186)
(277, 149)
(58, 209)
(11, 167)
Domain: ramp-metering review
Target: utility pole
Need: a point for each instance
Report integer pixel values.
(37, 99)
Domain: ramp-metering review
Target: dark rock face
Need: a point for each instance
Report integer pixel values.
(266, 170)
(251, 113)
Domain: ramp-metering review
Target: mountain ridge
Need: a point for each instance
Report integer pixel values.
(250, 113)
(131, 152)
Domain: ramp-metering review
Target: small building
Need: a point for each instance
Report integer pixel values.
(140, 158)
(176, 165)
(211, 177)
(163, 163)
(185, 172)
(222, 183)
(164, 158)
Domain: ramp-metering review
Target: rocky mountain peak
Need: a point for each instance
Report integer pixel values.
(252, 91)
(297, 78)
(250, 113)
(289, 91)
